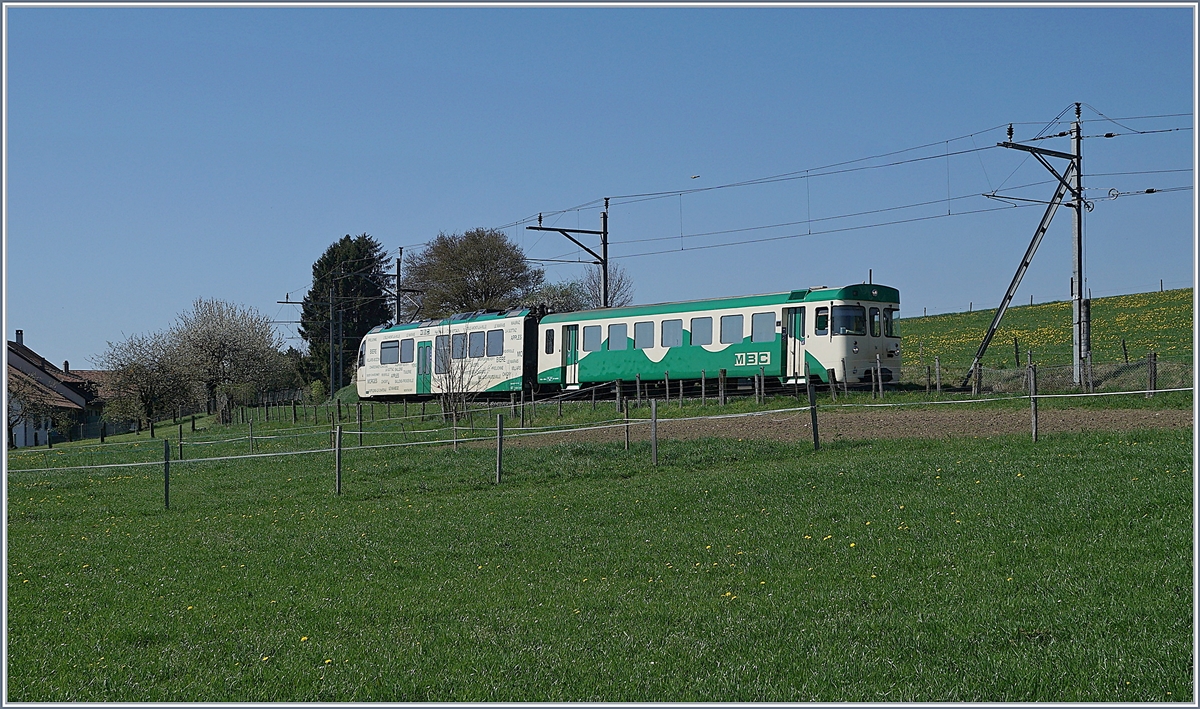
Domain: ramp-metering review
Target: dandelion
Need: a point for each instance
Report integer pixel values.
(852, 544)
(266, 657)
(304, 639)
(827, 537)
(189, 608)
(328, 661)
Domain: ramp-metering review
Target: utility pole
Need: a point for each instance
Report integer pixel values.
(331, 377)
(399, 258)
(1080, 310)
(1071, 180)
(601, 258)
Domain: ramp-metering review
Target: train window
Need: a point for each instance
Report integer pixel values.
(475, 342)
(800, 324)
(821, 326)
(495, 343)
(701, 331)
(643, 335)
(874, 322)
(890, 326)
(849, 320)
(389, 352)
(441, 354)
(618, 336)
(550, 341)
(762, 327)
(362, 354)
(672, 333)
(406, 351)
(731, 329)
(458, 349)
(591, 338)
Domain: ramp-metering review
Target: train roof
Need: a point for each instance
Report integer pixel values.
(858, 291)
(477, 316)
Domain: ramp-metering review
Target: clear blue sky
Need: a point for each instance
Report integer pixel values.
(158, 155)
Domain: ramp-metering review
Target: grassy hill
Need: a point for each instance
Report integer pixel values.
(1156, 321)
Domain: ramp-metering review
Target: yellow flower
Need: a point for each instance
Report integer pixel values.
(328, 661)
(266, 657)
(304, 639)
(851, 543)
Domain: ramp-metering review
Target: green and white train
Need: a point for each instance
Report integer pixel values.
(834, 330)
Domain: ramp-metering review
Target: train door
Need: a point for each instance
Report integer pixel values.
(424, 367)
(793, 319)
(570, 355)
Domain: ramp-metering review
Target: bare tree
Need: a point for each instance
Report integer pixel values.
(231, 350)
(147, 377)
(620, 287)
(459, 375)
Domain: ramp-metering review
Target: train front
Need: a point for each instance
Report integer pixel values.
(864, 330)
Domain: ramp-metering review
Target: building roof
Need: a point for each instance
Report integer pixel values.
(51, 397)
(71, 386)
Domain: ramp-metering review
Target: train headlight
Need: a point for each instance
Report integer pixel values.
(854, 349)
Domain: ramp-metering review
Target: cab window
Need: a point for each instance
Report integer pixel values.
(821, 326)
(891, 328)
(850, 320)
(550, 342)
(874, 322)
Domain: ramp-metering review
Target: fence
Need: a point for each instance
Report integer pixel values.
(1106, 376)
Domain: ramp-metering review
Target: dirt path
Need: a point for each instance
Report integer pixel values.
(887, 423)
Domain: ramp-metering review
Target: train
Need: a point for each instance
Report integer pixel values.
(840, 333)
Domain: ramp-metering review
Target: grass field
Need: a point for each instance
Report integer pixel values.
(1157, 321)
(980, 568)
(964, 569)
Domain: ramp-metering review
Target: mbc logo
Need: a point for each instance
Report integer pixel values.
(751, 359)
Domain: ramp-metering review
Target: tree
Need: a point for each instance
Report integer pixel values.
(620, 287)
(477, 270)
(562, 297)
(147, 376)
(356, 269)
(231, 350)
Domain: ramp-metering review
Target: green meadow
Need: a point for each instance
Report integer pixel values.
(1158, 321)
(972, 569)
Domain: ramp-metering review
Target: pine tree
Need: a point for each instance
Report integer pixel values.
(356, 269)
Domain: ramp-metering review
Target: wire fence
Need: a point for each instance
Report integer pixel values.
(1106, 376)
(454, 435)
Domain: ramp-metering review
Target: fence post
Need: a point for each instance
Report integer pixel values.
(358, 408)
(512, 404)
(181, 441)
(1091, 382)
(654, 431)
(625, 412)
(879, 374)
(1033, 399)
(762, 385)
(293, 412)
(681, 393)
(193, 423)
(928, 375)
(638, 379)
(845, 378)
(251, 435)
(703, 389)
(166, 474)
(560, 407)
(666, 387)
(620, 405)
(151, 427)
(1151, 373)
(337, 459)
(832, 374)
(937, 367)
(812, 406)
(499, 445)
(721, 387)
(103, 425)
(372, 412)
(454, 427)
(593, 398)
(1124, 350)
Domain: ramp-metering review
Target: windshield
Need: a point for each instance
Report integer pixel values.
(849, 320)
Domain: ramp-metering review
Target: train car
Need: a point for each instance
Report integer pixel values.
(480, 352)
(838, 329)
